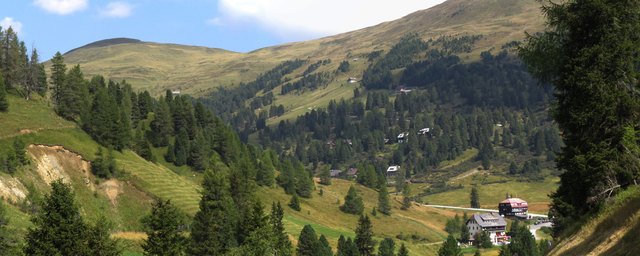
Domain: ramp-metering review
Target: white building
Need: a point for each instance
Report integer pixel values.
(492, 223)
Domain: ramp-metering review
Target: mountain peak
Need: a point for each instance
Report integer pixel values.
(107, 42)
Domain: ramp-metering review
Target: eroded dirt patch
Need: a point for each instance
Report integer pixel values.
(12, 190)
(112, 189)
(55, 162)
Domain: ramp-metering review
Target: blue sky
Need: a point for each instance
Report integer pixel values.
(237, 25)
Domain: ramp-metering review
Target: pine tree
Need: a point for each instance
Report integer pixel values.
(482, 240)
(325, 176)
(281, 239)
(465, 235)
(324, 249)
(181, 148)
(265, 175)
(58, 228)
(386, 248)
(36, 78)
(72, 94)
(364, 236)
(593, 50)
(164, 228)
(7, 246)
(403, 251)
(99, 239)
(352, 202)
(474, 198)
(406, 198)
(383, 200)
(522, 242)
(20, 151)
(294, 203)
(308, 244)
(198, 153)
(213, 226)
(4, 104)
(161, 126)
(170, 155)
(450, 247)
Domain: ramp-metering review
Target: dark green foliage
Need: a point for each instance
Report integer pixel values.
(107, 122)
(35, 77)
(383, 200)
(465, 235)
(199, 153)
(4, 104)
(364, 236)
(294, 203)
(482, 240)
(308, 244)
(181, 148)
(161, 126)
(281, 239)
(344, 66)
(386, 248)
(213, 226)
(20, 152)
(265, 175)
(99, 239)
(104, 166)
(142, 147)
(477, 253)
(474, 198)
(522, 241)
(164, 227)
(309, 82)
(325, 176)
(60, 230)
(170, 155)
(378, 75)
(403, 251)
(346, 247)
(58, 75)
(406, 198)
(7, 245)
(352, 202)
(589, 53)
(73, 95)
(324, 249)
(453, 225)
(450, 247)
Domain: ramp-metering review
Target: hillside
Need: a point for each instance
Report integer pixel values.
(63, 151)
(157, 67)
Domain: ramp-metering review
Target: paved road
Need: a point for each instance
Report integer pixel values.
(534, 228)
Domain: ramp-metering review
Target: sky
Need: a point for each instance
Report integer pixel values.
(237, 25)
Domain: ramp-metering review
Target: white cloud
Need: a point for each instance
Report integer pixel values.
(62, 7)
(319, 17)
(117, 10)
(217, 21)
(10, 22)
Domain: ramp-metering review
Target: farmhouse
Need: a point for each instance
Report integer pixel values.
(513, 207)
(392, 171)
(334, 173)
(492, 223)
(403, 137)
(424, 131)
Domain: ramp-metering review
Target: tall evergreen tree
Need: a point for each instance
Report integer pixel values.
(589, 53)
(164, 227)
(474, 198)
(364, 236)
(450, 247)
(294, 203)
(72, 94)
(383, 200)
(4, 104)
(352, 202)
(36, 78)
(386, 248)
(99, 239)
(58, 228)
(282, 243)
(181, 148)
(308, 244)
(324, 249)
(403, 251)
(213, 226)
(161, 126)
(58, 75)
(6, 244)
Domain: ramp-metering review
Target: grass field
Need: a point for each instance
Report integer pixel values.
(29, 116)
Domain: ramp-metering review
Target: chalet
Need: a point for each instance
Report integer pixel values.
(352, 173)
(424, 131)
(492, 223)
(352, 80)
(403, 137)
(335, 173)
(175, 92)
(513, 207)
(393, 170)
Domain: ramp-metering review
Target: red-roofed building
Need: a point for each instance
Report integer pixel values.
(513, 207)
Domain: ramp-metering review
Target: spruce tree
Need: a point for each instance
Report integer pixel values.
(352, 202)
(181, 148)
(213, 226)
(58, 228)
(450, 247)
(324, 249)
(474, 198)
(164, 228)
(265, 175)
(325, 176)
(364, 236)
(99, 239)
(6, 244)
(170, 156)
(308, 244)
(386, 248)
(589, 53)
(294, 203)
(4, 104)
(383, 200)
(403, 251)
(161, 126)
(20, 151)
(282, 243)
(406, 198)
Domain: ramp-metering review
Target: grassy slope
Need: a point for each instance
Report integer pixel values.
(156, 67)
(612, 232)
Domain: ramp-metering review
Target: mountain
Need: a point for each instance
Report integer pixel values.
(195, 70)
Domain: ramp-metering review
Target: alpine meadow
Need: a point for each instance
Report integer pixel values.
(471, 127)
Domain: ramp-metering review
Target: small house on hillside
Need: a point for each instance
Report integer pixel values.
(403, 137)
(424, 131)
(335, 173)
(513, 207)
(175, 92)
(494, 224)
(352, 80)
(393, 171)
(352, 173)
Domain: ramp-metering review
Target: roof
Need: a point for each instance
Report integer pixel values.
(334, 173)
(352, 171)
(393, 168)
(515, 202)
(487, 220)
